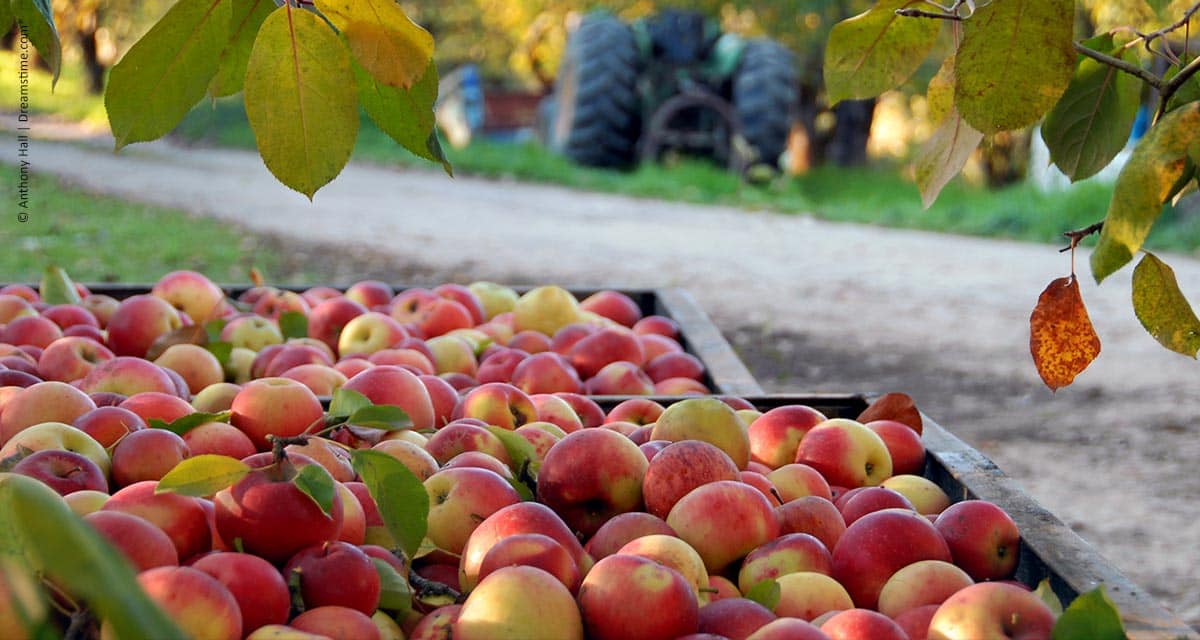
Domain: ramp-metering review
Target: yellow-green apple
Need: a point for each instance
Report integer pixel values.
(86, 501)
(71, 358)
(519, 603)
(992, 610)
(272, 516)
(542, 436)
(13, 307)
(59, 436)
(459, 499)
(619, 379)
(215, 398)
(924, 494)
(464, 296)
(194, 600)
(138, 322)
(786, 554)
(707, 419)
(452, 355)
(237, 367)
(921, 583)
(252, 332)
(127, 375)
(983, 539)
(523, 517)
(809, 594)
(256, 585)
(590, 476)
(533, 550)
(275, 302)
(788, 629)
(389, 384)
(48, 401)
(413, 359)
(443, 398)
(554, 409)
(389, 628)
(198, 366)
(143, 544)
(370, 293)
(322, 379)
(418, 460)
(530, 341)
(479, 460)
(328, 454)
(670, 551)
(182, 518)
(846, 452)
(35, 331)
(545, 309)
(723, 521)
(497, 364)
(795, 480)
(546, 373)
(675, 365)
(494, 298)
(903, 443)
(218, 438)
(588, 410)
(680, 467)
(915, 621)
(327, 319)
(879, 544)
(108, 424)
(369, 332)
(862, 624)
(623, 529)
(656, 324)
(627, 597)
(64, 471)
(776, 434)
(457, 437)
(734, 617)
(336, 574)
(146, 454)
(870, 500)
(614, 305)
(499, 404)
(192, 293)
(337, 623)
(640, 411)
(156, 405)
(604, 346)
(274, 406)
(813, 515)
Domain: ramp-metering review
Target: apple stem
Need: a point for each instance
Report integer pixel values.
(426, 587)
(82, 626)
(778, 497)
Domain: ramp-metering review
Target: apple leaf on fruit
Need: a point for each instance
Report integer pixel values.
(395, 594)
(1047, 595)
(894, 406)
(57, 287)
(203, 475)
(400, 495)
(1092, 616)
(525, 464)
(1062, 340)
(345, 403)
(293, 324)
(317, 484)
(1161, 307)
(385, 417)
(38, 529)
(184, 424)
(767, 593)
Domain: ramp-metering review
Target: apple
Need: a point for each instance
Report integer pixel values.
(720, 588)
(275, 302)
(321, 379)
(706, 419)
(870, 500)
(546, 373)
(903, 444)
(337, 623)
(437, 624)
(256, 585)
(182, 518)
(460, 498)
(71, 358)
(789, 553)
(654, 345)
(519, 603)
(619, 379)
(86, 501)
(49, 401)
(146, 454)
(33, 330)
(789, 629)
(670, 551)
(681, 467)
(862, 624)
(156, 405)
(846, 452)
(198, 366)
(915, 622)
(734, 617)
(64, 471)
(499, 404)
(545, 309)
(723, 521)
(457, 437)
(541, 436)
(530, 342)
(533, 550)
(57, 436)
(100, 306)
(983, 539)
(614, 305)
(352, 365)
(657, 324)
(413, 456)
(370, 332)
(389, 384)
(523, 517)
(139, 541)
(992, 610)
(443, 398)
(412, 359)
(138, 321)
(275, 406)
(623, 529)
(200, 605)
(13, 307)
(594, 351)
(795, 480)
(370, 293)
(879, 544)
(441, 316)
(554, 409)
(127, 375)
(762, 484)
(466, 297)
(675, 365)
(192, 293)
(289, 355)
(494, 298)
(336, 574)
(479, 460)
(452, 355)
(775, 435)
(17, 379)
(626, 597)
(328, 317)
(921, 583)
(809, 594)
(498, 363)
(585, 492)
(588, 410)
(218, 438)
(640, 411)
(252, 332)
(328, 454)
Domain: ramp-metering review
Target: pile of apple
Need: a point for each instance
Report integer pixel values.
(548, 516)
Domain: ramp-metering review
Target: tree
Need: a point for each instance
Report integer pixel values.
(1015, 62)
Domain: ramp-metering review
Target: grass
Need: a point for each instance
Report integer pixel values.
(68, 99)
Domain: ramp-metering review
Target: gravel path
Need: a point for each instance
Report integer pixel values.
(811, 306)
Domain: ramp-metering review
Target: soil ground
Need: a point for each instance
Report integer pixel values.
(809, 305)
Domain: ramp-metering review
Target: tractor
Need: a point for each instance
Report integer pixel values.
(669, 83)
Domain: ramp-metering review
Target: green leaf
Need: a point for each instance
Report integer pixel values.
(1189, 91)
(317, 484)
(405, 115)
(7, 19)
(876, 51)
(167, 71)
(221, 350)
(381, 416)
(247, 17)
(395, 594)
(391, 47)
(57, 287)
(184, 424)
(1015, 61)
(347, 402)
(1091, 123)
(213, 329)
(36, 19)
(1162, 308)
(37, 528)
(1144, 184)
(944, 155)
(203, 475)
(1047, 595)
(520, 451)
(304, 117)
(293, 324)
(1092, 616)
(401, 497)
(766, 593)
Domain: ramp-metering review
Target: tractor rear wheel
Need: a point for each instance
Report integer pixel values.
(596, 115)
(765, 98)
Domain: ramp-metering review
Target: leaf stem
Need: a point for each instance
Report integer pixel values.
(1079, 234)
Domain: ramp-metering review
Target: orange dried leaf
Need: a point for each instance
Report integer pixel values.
(1061, 337)
(894, 406)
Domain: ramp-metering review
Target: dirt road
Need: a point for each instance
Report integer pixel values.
(812, 306)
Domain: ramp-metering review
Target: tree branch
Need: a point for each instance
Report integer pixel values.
(1117, 63)
(1079, 234)
(1171, 86)
(919, 13)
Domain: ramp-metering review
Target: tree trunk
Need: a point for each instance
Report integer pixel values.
(90, 48)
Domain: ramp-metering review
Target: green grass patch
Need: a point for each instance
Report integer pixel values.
(68, 99)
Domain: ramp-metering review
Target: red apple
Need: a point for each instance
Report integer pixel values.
(589, 412)
(723, 521)
(813, 515)
(523, 517)
(639, 411)
(146, 454)
(108, 424)
(992, 610)
(370, 293)
(796, 480)
(461, 498)
(903, 443)
(143, 544)
(328, 317)
(194, 600)
(192, 293)
(657, 324)
(42, 402)
(734, 618)
(545, 373)
(156, 405)
(128, 375)
(499, 404)
(623, 529)
(619, 378)
(198, 366)
(533, 550)
(389, 384)
(530, 342)
(614, 305)
(919, 584)
(182, 518)
(256, 585)
(627, 597)
(681, 467)
(706, 419)
(274, 406)
(218, 438)
(336, 574)
(337, 623)
(138, 322)
(71, 358)
(33, 330)
(789, 553)
(846, 452)
(775, 435)
(788, 629)
(879, 544)
(983, 539)
(870, 500)
(558, 411)
(64, 471)
(862, 624)
(479, 460)
(587, 494)
(465, 297)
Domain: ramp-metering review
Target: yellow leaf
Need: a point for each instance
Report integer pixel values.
(944, 155)
(1162, 309)
(940, 92)
(1061, 337)
(382, 38)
